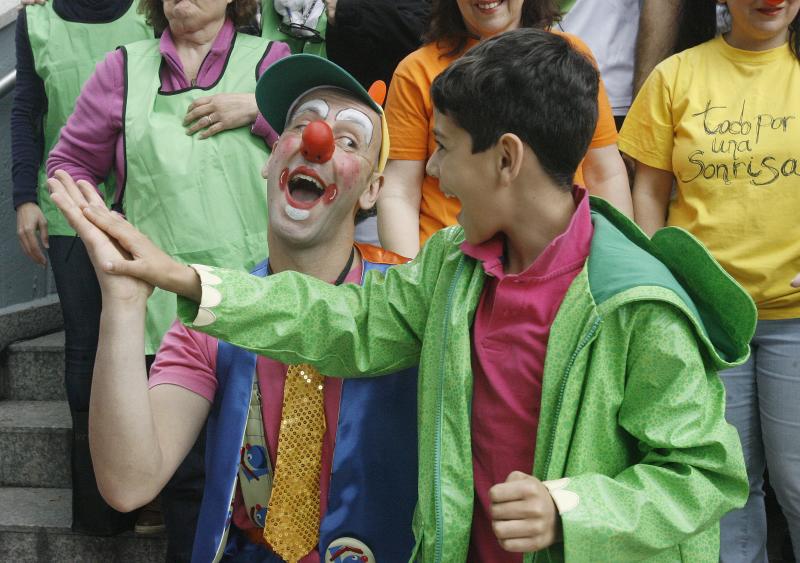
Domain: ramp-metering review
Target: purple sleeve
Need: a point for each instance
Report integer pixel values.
(88, 143)
(261, 128)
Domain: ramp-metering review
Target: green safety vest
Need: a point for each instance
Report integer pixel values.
(201, 201)
(270, 29)
(65, 54)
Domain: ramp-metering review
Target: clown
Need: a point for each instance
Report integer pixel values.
(324, 173)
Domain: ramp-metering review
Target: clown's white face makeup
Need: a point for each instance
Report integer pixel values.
(322, 165)
(320, 107)
(358, 117)
(297, 214)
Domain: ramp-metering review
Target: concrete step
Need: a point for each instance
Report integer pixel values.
(35, 438)
(34, 370)
(35, 527)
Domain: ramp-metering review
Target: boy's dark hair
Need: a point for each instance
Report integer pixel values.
(528, 82)
(446, 26)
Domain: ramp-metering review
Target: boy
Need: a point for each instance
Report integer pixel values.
(568, 396)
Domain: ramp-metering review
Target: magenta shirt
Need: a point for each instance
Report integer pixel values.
(91, 142)
(189, 359)
(509, 345)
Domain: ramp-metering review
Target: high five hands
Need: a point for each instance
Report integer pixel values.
(524, 516)
(127, 263)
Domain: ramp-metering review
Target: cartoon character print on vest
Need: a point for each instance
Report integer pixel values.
(349, 550)
(254, 461)
(258, 514)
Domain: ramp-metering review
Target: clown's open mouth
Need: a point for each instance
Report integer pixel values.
(305, 189)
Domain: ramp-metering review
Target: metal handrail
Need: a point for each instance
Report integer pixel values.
(7, 83)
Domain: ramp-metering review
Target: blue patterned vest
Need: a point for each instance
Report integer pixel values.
(373, 483)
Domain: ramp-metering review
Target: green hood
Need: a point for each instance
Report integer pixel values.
(723, 315)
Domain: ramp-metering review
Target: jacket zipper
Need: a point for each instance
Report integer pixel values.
(437, 452)
(564, 380)
(586, 339)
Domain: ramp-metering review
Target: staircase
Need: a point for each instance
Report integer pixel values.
(35, 494)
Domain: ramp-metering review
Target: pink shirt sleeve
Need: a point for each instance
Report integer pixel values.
(93, 133)
(261, 127)
(187, 358)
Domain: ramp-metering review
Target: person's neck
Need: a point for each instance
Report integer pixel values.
(537, 220)
(739, 40)
(323, 261)
(192, 45)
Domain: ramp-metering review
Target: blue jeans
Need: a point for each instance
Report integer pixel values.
(763, 403)
(79, 294)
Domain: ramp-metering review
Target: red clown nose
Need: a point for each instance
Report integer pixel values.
(318, 142)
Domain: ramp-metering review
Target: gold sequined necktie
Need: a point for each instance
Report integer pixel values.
(293, 513)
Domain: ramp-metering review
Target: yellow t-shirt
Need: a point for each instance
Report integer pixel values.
(726, 122)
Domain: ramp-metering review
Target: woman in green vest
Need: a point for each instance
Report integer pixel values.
(58, 45)
(176, 120)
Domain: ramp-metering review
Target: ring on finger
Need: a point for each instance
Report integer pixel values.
(209, 121)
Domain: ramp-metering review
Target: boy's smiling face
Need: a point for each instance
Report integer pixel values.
(469, 177)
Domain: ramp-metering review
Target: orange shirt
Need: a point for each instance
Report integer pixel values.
(409, 113)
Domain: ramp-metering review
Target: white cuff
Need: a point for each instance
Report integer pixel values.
(564, 500)
(210, 296)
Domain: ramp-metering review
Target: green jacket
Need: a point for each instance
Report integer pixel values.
(632, 407)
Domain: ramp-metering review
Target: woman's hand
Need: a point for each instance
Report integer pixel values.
(220, 112)
(30, 220)
(24, 3)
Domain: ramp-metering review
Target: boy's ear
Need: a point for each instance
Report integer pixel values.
(369, 196)
(510, 152)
